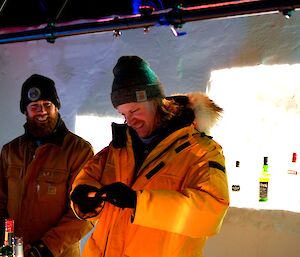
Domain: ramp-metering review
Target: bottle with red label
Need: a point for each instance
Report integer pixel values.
(7, 250)
(293, 181)
(293, 167)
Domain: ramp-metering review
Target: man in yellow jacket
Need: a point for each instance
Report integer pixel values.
(36, 173)
(160, 188)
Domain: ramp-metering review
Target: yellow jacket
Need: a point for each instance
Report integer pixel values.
(182, 197)
(34, 190)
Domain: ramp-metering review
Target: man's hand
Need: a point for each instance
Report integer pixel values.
(85, 197)
(118, 194)
(37, 249)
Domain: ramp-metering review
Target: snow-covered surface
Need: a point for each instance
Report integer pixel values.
(253, 233)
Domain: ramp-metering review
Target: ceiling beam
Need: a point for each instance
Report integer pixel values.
(174, 17)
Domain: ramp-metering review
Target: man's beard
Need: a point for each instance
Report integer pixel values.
(40, 130)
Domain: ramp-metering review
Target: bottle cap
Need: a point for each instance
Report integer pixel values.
(265, 160)
(294, 158)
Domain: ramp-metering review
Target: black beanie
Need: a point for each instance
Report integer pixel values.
(38, 87)
(134, 81)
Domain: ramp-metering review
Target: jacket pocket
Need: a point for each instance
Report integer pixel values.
(52, 176)
(165, 181)
(14, 176)
(14, 172)
(50, 183)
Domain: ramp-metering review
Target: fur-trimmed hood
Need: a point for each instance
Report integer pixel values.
(206, 111)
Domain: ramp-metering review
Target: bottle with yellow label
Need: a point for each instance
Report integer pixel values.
(264, 180)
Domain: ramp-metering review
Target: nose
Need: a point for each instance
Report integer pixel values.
(41, 108)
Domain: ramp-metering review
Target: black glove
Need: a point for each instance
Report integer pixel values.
(119, 195)
(84, 202)
(39, 249)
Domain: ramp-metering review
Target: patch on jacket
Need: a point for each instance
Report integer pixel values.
(51, 190)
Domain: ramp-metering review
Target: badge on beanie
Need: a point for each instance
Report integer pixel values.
(141, 96)
(34, 94)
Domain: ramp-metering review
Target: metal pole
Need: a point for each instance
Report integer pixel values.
(173, 16)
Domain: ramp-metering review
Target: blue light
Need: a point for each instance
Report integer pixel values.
(135, 6)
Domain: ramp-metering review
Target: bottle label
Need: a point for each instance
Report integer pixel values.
(9, 225)
(235, 188)
(263, 190)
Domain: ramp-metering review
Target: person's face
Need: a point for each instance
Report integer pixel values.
(140, 116)
(42, 117)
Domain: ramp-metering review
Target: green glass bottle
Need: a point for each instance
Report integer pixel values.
(7, 251)
(264, 180)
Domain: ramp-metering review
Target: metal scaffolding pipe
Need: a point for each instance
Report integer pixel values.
(173, 16)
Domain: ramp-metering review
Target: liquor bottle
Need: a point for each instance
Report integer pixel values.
(293, 181)
(19, 251)
(8, 247)
(235, 180)
(293, 169)
(235, 186)
(264, 180)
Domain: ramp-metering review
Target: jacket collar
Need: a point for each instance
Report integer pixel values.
(196, 108)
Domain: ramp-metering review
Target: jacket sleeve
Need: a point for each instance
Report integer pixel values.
(196, 210)
(69, 229)
(91, 175)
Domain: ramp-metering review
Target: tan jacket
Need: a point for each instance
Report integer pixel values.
(34, 191)
(182, 197)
